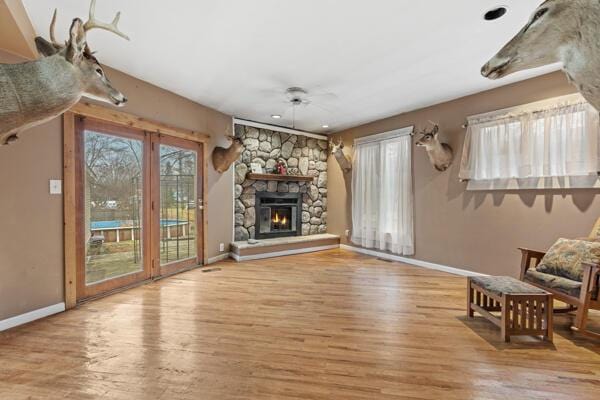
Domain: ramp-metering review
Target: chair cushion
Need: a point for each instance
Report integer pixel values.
(564, 285)
(565, 257)
(501, 285)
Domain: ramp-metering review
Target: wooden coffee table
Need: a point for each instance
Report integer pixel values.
(523, 309)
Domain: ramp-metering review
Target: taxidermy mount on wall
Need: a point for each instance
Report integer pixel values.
(34, 92)
(337, 150)
(564, 31)
(223, 158)
(440, 154)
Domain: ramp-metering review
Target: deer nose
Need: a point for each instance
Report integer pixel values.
(125, 100)
(485, 69)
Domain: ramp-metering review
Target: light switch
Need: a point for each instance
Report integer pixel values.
(55, 186)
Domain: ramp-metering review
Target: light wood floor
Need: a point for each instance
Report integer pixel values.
(333, 325)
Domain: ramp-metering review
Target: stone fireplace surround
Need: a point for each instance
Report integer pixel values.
(265, 147)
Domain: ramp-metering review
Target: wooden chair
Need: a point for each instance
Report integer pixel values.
(580, 296)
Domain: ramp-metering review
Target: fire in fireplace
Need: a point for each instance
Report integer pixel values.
(282, 220)
(278, 215)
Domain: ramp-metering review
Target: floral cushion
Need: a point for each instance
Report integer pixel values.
(564, 285)
(565, 257)
(502, 285)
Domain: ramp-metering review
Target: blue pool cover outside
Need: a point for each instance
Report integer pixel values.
(118, 224)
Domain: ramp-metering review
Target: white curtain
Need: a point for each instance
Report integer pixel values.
(382, 194)
(557, 138)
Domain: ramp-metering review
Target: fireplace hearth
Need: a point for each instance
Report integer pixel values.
(278, 215)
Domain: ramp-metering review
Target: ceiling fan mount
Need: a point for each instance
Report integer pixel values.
(297, 96)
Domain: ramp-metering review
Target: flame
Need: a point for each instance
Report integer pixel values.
(284, 221)
(276, 220)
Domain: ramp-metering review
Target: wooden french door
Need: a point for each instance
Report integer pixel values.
(139, 206)
(177, 204)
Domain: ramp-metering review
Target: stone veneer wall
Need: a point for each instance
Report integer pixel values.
(265, 147)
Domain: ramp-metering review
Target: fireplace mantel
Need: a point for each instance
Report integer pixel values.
(284, 178)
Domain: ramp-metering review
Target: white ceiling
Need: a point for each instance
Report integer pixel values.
(359, 60)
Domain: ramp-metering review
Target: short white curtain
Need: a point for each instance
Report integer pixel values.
(556, 141)
(382, 196)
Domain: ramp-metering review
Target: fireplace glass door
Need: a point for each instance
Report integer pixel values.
(278, 215)
(277, 220)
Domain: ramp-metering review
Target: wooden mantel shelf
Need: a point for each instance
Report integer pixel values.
(274, 177)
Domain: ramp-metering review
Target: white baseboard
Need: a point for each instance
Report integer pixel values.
(31, 316)
(239, 258)
(411, 261)
(218, 258)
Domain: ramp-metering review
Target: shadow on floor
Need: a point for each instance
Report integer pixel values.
(562, 323)
(491, 334)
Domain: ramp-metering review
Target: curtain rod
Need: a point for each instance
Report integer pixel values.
(529, 108)
(407, 131)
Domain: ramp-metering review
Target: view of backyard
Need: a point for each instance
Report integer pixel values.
(114, 200)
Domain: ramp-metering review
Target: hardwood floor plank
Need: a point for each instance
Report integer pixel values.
(330, 325)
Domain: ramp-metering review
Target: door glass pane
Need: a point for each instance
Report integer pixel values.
(178, 169)
(112, 206)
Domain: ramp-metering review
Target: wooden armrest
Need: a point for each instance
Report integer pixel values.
(526, 256)
(532, 253)
(590, 276)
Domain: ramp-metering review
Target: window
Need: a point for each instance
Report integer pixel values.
(545, 141)
(382, 193)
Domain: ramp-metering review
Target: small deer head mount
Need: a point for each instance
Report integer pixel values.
(43, 89)
(440, 154)
(337, 150)
(222, 158)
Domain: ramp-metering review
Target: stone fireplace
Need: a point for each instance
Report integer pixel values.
(306, 156)
(278, 215)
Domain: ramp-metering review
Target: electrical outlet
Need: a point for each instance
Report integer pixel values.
(222, 247)
(347, 232)
(55, 187)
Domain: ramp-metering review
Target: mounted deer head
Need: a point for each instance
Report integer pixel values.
(564, 31)
(440, 154)
(34, 92)
(223, 158)
(337, 150)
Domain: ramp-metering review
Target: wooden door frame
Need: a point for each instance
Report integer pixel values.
(180, 265)
(71, 218)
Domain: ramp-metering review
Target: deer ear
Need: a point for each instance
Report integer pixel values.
(436, 130)
(44, 47)
(77, 42)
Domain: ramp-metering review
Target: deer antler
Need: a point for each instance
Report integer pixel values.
(94, 23)
(52, 28)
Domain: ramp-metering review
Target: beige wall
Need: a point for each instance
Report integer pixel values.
(31, 231)
(479, 231)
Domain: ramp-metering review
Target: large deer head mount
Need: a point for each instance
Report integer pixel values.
(34, 92)
(337, 150)
(222, 158)
(440, 154)
(564, 31)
